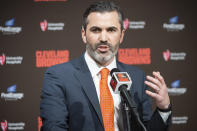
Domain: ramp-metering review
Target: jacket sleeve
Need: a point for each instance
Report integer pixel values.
(157, 124)
(53, 109)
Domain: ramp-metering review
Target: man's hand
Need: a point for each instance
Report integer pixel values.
(160, 94)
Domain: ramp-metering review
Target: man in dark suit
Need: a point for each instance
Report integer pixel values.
(72, 95)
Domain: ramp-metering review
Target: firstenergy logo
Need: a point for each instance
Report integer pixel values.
(11, 94)
(135, 56)
(47, 58)
(176, 89)
(9, 28)
(173, 25)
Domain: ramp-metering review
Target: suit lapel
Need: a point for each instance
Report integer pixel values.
(85, 78)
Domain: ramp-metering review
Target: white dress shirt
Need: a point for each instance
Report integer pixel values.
(95, 72)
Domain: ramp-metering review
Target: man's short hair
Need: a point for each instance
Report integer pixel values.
(101, 7)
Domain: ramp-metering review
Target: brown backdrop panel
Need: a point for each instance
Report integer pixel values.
(28, 78)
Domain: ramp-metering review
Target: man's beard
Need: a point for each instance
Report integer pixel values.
(102, 60)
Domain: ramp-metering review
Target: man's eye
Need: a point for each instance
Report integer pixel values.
(111, 30)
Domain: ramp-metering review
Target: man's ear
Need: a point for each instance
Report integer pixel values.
(122, 35)
(83, 35)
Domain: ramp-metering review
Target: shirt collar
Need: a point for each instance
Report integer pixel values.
(93, 66)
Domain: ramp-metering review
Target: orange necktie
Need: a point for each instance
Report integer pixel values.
(106, 102)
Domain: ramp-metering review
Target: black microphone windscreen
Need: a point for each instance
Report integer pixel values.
(114, 70)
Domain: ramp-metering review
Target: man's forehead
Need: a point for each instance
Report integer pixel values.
(103, 14)
(103, 18)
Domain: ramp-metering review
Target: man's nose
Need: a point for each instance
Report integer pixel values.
(103, 37)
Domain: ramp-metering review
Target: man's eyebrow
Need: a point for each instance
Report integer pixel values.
(113, 27)
(95, 28)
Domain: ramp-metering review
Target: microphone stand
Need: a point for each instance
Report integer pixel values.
(127, 113)
(130, 108)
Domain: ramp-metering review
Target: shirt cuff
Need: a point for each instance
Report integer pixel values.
(165, 115)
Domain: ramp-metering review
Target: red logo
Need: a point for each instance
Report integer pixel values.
(39, 123)
(43, 25)
(126, 24)
(166, 55)
(2, 59)
(135, 56)
(113, 83)
(122, 77)
(48, 58)
(4, 125)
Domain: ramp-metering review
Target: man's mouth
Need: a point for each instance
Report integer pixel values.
(103, 48)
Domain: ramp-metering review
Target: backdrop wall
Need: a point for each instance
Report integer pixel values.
(35, 34)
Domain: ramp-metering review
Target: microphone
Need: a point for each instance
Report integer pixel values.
(119, 80)
(121, 83)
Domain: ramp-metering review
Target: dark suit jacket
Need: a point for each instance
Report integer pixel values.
(69, 100)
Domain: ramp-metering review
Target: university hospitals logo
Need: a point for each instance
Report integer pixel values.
(135, 56)
(45, 25)
(2, 59)
(12, 95)
(173, 26)
(4, 125)
(12, 126)
(11, 60)
(126, 24)
(9, 28)
(175, 88)
(47, 58)
(133, 24)
(180, 120)
(167, 55)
